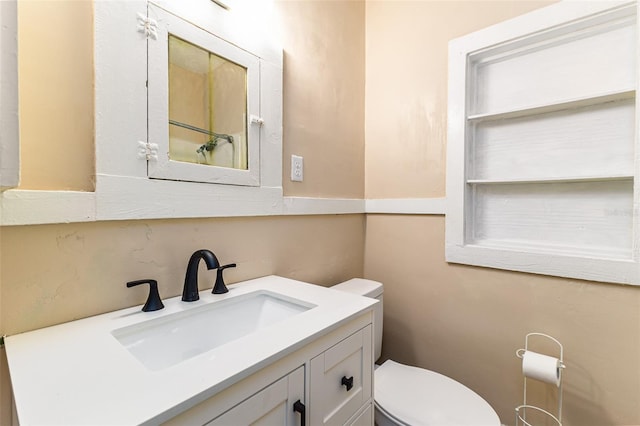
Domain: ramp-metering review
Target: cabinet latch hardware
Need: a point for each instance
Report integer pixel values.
(257, 120)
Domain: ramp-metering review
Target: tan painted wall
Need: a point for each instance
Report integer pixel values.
(467, 323)
(463, 321)
(55, 45)
(324, 93)
(406, 88)
(55, 273)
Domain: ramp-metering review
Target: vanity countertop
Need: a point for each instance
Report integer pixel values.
(79, 373)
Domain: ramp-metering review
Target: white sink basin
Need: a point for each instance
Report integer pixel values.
(166, 341)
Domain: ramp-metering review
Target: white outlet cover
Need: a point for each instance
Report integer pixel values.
(297, 168)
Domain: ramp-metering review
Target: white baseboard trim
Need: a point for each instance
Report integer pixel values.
(308, 206)
(406, 206)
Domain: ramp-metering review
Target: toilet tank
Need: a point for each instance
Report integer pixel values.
(373, 289)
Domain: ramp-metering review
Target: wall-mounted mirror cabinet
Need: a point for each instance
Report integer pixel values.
(188, 110)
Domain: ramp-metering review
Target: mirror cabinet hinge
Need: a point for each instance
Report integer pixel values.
(147, 151)
(147, 26)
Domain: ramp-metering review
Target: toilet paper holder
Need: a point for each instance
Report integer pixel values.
(521, 411)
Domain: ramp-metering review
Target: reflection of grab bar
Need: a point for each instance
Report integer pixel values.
(215, 135)
(211, 144)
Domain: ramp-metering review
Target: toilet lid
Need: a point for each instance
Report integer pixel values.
(419, 397)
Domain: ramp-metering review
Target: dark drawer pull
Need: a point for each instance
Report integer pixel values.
(348, 382)
(299, 407)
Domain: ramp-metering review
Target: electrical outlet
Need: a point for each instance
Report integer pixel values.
(297, 168)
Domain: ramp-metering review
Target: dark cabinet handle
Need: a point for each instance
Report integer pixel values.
(299, 407)
(348, 382)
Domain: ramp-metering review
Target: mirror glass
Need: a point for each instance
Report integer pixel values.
(207, 107)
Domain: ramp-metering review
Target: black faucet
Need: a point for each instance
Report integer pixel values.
(190, 291)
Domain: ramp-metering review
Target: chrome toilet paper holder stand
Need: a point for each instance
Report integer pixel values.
(521, 410)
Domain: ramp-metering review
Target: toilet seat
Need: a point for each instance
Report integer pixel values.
(418, 397)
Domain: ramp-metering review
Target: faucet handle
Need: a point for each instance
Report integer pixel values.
(220, 287)
(154, 302)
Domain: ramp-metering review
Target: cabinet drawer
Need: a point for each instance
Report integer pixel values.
(341, 379)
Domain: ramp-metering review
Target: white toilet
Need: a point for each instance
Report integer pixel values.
(414, 396)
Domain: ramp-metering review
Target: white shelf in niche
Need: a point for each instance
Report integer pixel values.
(579, 217)
(580, 59)
(602, 98)
(622, 256)
(567, 179)
(591, 141)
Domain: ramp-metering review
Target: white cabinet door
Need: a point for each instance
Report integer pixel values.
(365, 418)
(341, 380)
(271, 406)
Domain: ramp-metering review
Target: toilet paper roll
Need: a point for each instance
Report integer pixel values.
(541, 367)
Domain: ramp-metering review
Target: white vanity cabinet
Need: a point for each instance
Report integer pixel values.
(317, 383)
(270, 406)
